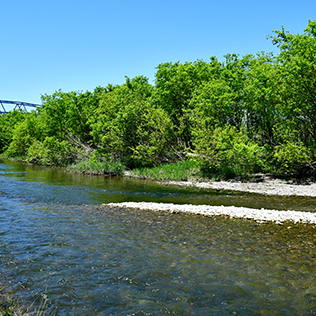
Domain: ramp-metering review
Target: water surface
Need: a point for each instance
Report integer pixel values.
(57, 241)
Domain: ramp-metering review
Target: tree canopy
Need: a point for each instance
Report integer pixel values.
(243, 115)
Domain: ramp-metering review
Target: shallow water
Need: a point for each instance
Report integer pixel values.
(57, 241)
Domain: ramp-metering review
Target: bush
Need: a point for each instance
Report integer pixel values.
(50, 152)
(180, 171)
(92, 166)
(226, 153)
(24, 134)
(127, 127)
(7, 123)
(292, 160)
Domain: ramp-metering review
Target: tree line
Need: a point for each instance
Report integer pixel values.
(244, 115)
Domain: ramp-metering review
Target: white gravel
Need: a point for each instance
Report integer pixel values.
(268, 187)
(259, 215)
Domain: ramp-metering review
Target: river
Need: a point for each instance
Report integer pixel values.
(58, 243)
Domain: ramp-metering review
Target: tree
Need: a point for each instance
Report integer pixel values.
(66, 115)
(262, 100)
(221, 101)
(8, 121)
(297, 82)
(126, 126)
(25, 133)
(226, 153)
(174, 87)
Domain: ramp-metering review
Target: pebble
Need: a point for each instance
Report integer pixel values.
(268, 187)
(259, 215)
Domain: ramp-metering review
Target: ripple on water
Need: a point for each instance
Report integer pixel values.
(102, 261)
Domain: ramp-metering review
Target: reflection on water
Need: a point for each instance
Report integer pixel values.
(56, 239)
(38, 183)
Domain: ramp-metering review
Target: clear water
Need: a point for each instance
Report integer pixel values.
(57, 241)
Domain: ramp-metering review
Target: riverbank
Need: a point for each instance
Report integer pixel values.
(258, 215)
(260, 184)
(267, 187)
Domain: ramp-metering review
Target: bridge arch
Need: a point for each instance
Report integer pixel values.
(18, 105)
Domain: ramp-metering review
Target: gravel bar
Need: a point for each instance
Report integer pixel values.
(258, 215)
(266, 187)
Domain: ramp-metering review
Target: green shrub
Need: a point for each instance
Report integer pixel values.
(227, 153)
(7, 123)
(92, 166)
(50, 152)
(292, 160)
(180, 171)
(24, 134)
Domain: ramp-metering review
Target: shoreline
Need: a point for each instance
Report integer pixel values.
(263, 184)
(266, 186)
(258, 215)
(276, 187)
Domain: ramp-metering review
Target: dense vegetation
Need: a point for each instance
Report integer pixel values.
(245, 115)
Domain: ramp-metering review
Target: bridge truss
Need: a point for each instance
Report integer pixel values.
(18, 105)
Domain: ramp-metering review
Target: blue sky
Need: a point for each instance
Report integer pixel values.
(78, 45)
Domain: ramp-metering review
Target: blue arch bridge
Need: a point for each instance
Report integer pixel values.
(17, 105)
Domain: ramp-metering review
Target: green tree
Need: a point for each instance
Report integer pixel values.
(174, 87)
(51, 152)
(293, 160)
(25, 133)
(262, 100)
(126, 126)
(297, 82)
(8, 121)
(67, 114)
(221, 101)
(226, 153)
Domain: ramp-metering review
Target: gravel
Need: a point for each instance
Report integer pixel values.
(258, 215)
(263, 185)
(268, 187)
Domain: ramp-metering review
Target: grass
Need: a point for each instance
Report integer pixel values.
(17, 158)
(98, 168)
(180, 171)
(10, 307)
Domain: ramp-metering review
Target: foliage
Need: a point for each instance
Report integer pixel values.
(243, 115)
(7, 121)
(221, 101)
(262, 100)
(25, 133)
(98, 167)
(226, 153)
(128, 127)
(67, 114)
(174, 86)
(297, 81)
(292, 160)
(213, 105)
(176, 82)
(154, 132)
(181, 171)
(50, 152)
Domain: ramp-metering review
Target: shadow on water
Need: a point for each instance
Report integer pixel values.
(56, 239)
(51, 184)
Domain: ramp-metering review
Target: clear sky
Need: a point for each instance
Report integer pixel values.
(76, 45)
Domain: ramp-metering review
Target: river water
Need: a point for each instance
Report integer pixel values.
(59, 244)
